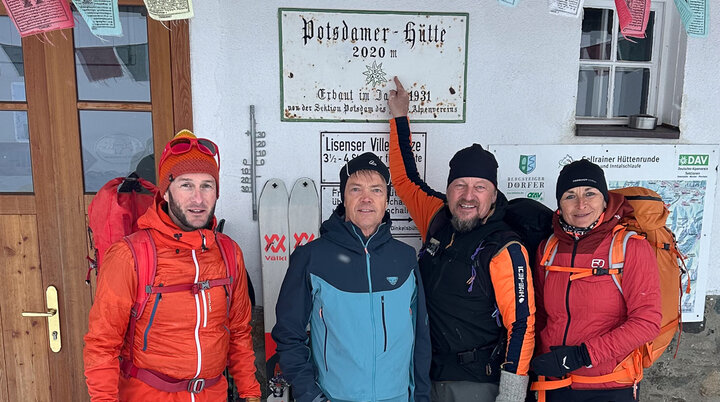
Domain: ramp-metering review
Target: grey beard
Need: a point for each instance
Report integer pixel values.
(464, 226)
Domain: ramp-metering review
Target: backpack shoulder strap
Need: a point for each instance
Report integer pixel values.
(438, 221)
(144, 254)
(227, 250)
(549, 253)
(616, 255)
(616, 258)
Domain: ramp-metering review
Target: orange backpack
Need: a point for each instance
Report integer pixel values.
(646, 221)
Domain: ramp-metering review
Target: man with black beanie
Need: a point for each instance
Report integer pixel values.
(478, 285)
(355, 285)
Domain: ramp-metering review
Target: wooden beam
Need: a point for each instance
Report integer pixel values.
(136, 107)
(57, 165)
(3, 378)
(17, 204)
(13, 106)
(160, 85)
(181, 88)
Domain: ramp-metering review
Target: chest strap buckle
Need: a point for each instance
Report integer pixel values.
(196, 385)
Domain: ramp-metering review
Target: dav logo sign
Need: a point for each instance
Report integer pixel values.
(693, 160)
(527, 163)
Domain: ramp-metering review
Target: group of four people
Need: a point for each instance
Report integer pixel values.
(457, 324)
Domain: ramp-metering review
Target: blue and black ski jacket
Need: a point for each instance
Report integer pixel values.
(369, 337)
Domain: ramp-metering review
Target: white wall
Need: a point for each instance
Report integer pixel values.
(700, 119)
(521, 88)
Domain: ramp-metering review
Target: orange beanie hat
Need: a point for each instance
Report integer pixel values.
(193, 161)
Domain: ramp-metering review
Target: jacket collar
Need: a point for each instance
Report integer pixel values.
(348, 235)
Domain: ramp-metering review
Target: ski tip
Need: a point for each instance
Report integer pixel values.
(304, 182)
(304, 190)
(274, 185)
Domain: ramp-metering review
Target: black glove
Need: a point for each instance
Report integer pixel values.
(561, 360)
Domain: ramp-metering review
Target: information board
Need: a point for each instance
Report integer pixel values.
(337, 148)
(338, 65)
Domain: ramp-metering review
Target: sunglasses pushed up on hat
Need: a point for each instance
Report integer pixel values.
(183, 145)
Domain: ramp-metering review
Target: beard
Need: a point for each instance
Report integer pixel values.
(464, 225)
(180, 215)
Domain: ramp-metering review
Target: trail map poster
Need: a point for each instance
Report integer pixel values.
(338, 65)
(684, 176)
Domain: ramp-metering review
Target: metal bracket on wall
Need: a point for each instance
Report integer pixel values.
(249, 172)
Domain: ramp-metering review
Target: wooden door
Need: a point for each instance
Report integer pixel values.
(44, 198)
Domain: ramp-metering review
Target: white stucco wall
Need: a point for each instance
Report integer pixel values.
(521, 88)
(700, 119)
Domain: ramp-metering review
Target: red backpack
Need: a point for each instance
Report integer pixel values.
(114, 211)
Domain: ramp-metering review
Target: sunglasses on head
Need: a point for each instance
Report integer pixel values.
(183, 145)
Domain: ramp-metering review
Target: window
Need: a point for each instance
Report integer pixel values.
(15, 169)
(113, 86)
(619, 77)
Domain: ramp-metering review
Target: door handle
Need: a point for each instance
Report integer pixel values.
(53, 317)
(50, 313)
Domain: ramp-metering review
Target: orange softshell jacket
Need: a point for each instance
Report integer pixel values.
(180, 335)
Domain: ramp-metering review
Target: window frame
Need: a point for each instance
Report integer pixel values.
(666, 66)
(170, 93)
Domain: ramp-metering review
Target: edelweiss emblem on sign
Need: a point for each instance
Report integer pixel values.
(375, 75)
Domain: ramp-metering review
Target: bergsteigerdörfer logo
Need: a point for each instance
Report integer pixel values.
(694, 160)
(527, 163)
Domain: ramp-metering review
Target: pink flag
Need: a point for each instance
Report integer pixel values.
(35, 16)
(633, 16)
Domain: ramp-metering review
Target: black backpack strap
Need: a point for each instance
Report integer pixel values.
(485, 251)
(439, 221)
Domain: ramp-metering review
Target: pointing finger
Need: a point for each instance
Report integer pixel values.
(398, 84)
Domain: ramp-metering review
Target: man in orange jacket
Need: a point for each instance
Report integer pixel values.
(179, 346)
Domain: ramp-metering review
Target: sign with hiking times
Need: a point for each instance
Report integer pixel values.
(338, 65)
(338, 148)
(684, 176)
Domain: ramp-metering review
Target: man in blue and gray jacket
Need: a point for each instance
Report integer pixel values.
(360, 291)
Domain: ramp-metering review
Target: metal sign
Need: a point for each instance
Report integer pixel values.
(338, 148)
(338, 65)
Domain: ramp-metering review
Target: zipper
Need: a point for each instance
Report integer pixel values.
(326, 340)
(152, 318)
(567, 294)
(197, 321)
(205, 308)
(438, 277)
(370, 295)
(382, 301)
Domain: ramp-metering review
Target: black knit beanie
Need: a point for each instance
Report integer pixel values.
(473, 161)
(366, 161)
(581, 173)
